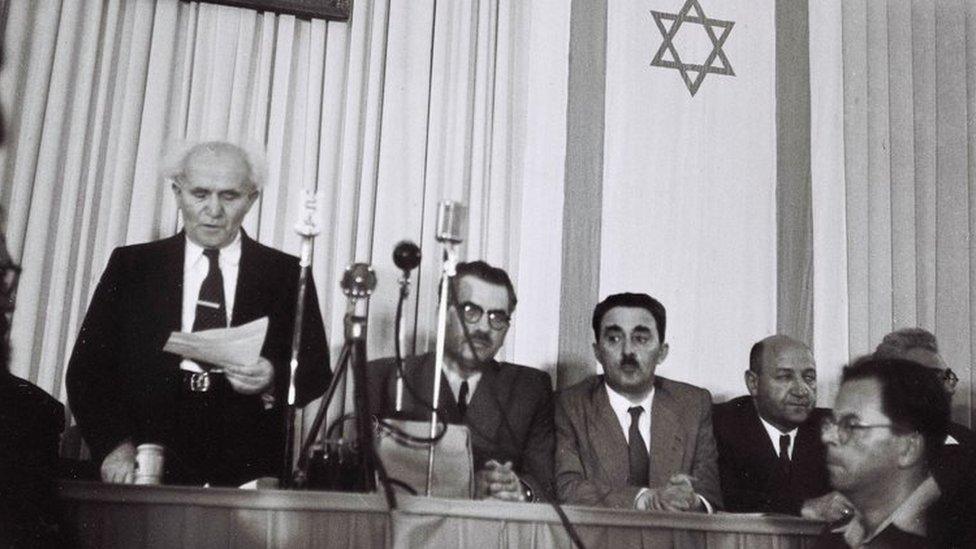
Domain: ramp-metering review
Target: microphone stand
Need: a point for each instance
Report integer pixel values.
(305, 263)
(448, 270)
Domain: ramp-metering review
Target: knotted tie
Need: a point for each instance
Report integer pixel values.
(784, 454)
(463, 398)
(640, 461)
(211, 308)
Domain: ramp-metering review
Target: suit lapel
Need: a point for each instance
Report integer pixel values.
(421, 379)
(483, 414)
(167, 290)
(607, 436)
(667, 442)
(247, 294)
(764, 454)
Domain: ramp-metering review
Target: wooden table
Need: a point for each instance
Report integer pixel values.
(102, 515)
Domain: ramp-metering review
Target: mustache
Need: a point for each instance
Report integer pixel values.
(480, 337)
(629, 361)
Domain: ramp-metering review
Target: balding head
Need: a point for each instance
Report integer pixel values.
(782, 379)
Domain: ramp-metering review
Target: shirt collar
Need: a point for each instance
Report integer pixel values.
(775, 433)
(622, 404)
(229, 255)
(908, 517)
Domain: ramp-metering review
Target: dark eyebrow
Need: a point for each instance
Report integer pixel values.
(642, 329)
(612, 328)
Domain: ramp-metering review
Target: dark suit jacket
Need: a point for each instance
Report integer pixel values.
(31, 422)
(121, 385)
(592, 463)
(509, 414)
(747, 461)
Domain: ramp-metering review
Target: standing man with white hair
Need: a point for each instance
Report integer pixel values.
(218, 427)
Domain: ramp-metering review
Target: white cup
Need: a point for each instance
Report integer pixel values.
(149, 464)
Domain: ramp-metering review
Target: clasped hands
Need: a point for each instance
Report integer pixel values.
(498, 481)
(120, 464)
(677, 495)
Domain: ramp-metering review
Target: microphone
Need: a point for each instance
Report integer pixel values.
(406, 256)
(358, 282)
(450, 219)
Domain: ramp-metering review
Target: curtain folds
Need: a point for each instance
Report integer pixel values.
(407, 103)
(904, 180)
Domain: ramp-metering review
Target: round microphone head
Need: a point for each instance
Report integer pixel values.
(358, 281)
(406, 255)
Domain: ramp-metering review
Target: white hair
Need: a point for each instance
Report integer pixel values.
(173, 166)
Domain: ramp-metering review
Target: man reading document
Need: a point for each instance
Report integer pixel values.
(219, 425)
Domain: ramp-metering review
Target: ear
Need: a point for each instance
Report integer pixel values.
(911, 450)
(174, 184)
(664, 353)
(752, 382)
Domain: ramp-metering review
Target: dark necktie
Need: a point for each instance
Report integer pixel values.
(211, 308)
(463, 398)
(784, 454)
(640, 462)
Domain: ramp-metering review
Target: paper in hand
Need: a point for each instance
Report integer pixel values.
(237, 346)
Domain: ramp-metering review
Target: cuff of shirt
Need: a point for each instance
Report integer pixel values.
(640, 493)
(708, 506)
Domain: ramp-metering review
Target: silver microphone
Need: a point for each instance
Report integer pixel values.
(450, 222)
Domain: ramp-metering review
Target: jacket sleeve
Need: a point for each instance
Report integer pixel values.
(704, 466)
(93, 370)
(537, 453)
(574, 484)
(314, 372)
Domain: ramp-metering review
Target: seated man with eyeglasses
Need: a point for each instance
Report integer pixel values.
(888, 426)
(507, 407)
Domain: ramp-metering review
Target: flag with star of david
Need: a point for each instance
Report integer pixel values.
(690, 173)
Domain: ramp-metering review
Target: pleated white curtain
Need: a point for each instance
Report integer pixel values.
(407, 103)
(895, 148)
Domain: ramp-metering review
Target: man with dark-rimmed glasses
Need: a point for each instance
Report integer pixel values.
(507, 407)
(888, 426)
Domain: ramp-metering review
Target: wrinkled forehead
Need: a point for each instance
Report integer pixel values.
(482, 293)
(860, 398)
(225, 166)
(629, 319)
(792, 356)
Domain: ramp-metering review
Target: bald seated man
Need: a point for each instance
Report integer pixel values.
(219, 425)
(770, 456)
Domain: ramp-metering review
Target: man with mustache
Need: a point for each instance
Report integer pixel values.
(888, 425)
(223, 426)
(770, 457)
(630, 438)
(507, 407)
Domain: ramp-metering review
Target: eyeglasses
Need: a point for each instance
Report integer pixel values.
(949, 377)
(497, 318)
(847, 426)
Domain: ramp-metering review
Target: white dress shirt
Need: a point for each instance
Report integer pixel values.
(774, 435)
(454, 379)
(195, 269)
(621, 406)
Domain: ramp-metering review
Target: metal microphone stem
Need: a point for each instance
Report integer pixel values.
(304, 265)
(448, 271)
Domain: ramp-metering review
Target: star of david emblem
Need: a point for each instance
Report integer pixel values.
(667, 46)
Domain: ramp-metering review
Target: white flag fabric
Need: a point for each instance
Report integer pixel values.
(689, 204)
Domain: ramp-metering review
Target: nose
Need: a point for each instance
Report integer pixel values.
(799, 387)
(828, 433)
(213, 207)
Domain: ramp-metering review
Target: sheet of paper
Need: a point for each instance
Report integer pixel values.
(237, 346)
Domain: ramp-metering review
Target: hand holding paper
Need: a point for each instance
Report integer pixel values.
(230, 348)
